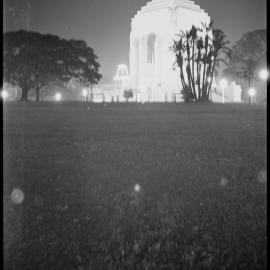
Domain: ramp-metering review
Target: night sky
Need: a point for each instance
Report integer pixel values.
(105, 24)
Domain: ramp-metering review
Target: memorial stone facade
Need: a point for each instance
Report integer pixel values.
(153, 29)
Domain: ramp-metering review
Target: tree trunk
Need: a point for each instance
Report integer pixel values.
(37, 94)
(91, 96)
(204, 68)
(24, 96)
(193, 71)
(199, 75)
(211, 76)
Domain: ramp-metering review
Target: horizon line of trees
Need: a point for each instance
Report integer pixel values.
(32, 60)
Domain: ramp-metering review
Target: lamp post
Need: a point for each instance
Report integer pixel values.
(251, 94)
(84, 94)
(214, 85)
(223, 83)
(263, 74)
(58, 97)
(4, 95)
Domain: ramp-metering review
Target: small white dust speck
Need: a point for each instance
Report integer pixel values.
(137, 187)
(223, 181)
(17, 196)
(262, 176)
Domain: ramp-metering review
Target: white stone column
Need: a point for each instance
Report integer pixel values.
(132, 64)
(159, 60)
(142, 58)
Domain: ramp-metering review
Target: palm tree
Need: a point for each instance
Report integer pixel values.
(205, 52)
(219, 51)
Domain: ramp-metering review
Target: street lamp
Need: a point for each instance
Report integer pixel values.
(251, 93)
(4, 94)
(263, 74)
(84, 93)
(223, 84)
(58, 97)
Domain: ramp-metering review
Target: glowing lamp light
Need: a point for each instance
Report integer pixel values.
(137, 187)
(252, 92)
(58, 97)
(4, 94)
(263, 74)
(223, 83)
(84, 92)
(17, 196)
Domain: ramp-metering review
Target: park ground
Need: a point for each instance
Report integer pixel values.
(134, 186)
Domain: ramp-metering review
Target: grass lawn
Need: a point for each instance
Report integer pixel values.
(201, 188)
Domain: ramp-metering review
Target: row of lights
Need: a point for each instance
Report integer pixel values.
(223, 83)
(4, 95)
(57, 96)
(251, 92)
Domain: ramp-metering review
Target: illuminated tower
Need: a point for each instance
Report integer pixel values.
(153, 29)
(122, 75)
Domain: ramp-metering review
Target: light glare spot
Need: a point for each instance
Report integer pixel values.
(58, 97)
(223, 83)
(262, 176)
(264, 74)
(84, 92)
(223, 181)
(17, 196)
(252, 92)
(137, 188)
(4, 94)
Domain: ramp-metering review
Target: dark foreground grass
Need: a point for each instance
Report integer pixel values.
(201, 169)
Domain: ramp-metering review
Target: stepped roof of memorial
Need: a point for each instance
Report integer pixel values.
(169, 4)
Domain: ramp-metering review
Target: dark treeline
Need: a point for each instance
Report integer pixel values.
(33, 60)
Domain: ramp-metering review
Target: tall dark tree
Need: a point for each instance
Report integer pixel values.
(198, 53)
(47, 67)
(86, 68)
(33, 60)
(248, 58)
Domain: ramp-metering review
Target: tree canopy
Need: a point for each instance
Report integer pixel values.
(33, 60)
(248, 58)
(198, 52)
(128, 93)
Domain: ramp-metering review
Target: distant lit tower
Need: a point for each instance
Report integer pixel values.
(122, 75)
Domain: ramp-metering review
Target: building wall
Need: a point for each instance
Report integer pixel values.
(232, 93)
